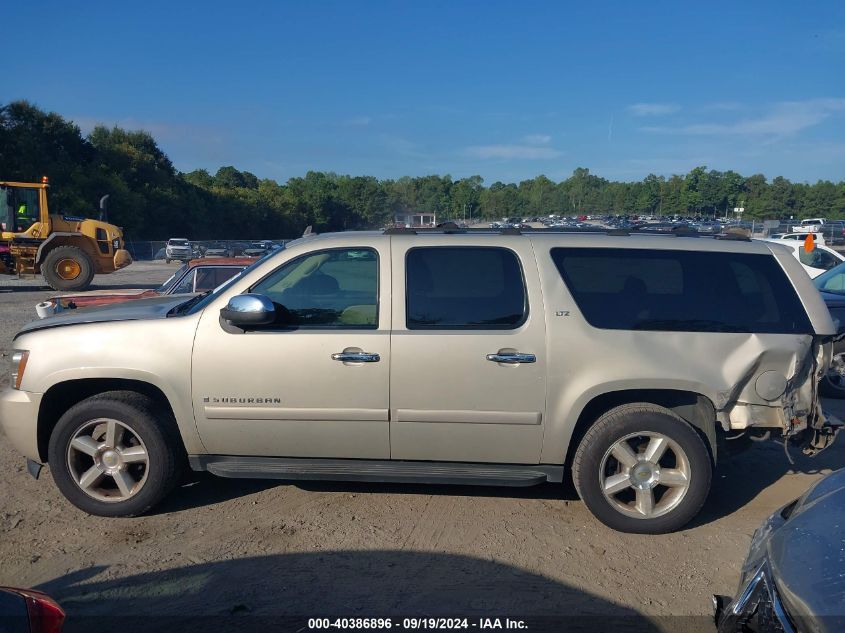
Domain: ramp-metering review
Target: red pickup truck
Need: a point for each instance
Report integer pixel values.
(196, 275)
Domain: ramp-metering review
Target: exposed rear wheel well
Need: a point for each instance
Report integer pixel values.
(61, 397)
(696, 409)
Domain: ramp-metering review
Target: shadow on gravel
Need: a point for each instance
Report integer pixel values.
(202, 489)
(740, 478)
(281, 592)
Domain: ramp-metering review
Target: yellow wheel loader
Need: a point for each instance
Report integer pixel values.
(66, 250)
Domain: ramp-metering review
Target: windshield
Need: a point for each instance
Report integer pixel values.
(178, 242)
(19, 208)
(832, 280)
(171, 281)
(208, 298)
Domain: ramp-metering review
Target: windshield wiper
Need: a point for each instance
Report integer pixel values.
(187, 305)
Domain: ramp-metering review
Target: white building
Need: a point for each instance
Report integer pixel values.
(414, 219)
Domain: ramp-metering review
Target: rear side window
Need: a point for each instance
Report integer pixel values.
(684, 291)
(817, 258)
(477, 288)
(209, 277)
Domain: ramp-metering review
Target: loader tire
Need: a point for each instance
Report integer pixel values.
(67, 268)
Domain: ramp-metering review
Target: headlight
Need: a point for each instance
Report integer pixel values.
(757, 608)
(19, 358)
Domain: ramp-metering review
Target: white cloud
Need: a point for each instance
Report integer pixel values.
(653, 109)
(783, 119)
(519, 152)
(537, 139)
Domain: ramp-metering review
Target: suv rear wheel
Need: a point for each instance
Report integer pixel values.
(115, 454)
(641, 468)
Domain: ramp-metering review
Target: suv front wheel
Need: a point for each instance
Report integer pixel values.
(640, 468)
(115, 454)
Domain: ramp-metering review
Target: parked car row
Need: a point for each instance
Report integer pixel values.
(182, 249)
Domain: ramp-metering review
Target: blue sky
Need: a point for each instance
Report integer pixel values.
(507, 90)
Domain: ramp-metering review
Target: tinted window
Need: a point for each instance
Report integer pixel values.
(331, 288)
(691, 291)
(209, 277)
(833, 280)
(464, 287)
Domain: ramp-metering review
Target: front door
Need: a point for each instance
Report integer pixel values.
(468, 370)
(315, 384)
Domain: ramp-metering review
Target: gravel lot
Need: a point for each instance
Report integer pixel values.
(220, 547)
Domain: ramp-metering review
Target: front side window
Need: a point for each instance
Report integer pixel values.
(464, 288)
(186, 284)
(683, 291)
(817, 258)
(330, 288)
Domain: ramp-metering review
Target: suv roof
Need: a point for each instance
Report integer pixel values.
(593, 237)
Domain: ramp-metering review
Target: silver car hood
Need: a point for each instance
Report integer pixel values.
(139, 309)
(804, 547)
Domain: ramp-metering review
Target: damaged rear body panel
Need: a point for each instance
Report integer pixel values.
(778, 389)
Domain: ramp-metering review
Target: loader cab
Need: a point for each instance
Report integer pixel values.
(23, 209)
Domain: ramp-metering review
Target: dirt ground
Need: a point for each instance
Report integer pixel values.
(229, 549)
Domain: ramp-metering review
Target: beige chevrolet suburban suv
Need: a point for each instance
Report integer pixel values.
(452, 356)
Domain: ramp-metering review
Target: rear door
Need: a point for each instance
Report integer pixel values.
(468, 372)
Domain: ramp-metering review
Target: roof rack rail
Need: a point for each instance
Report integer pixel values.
(679, 231)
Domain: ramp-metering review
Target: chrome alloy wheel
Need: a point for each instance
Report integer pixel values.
(107, 460)
(644, 475)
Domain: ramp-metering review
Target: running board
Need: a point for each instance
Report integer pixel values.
(377, 470)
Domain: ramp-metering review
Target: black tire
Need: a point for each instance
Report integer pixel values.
(60, 263)
(153, 425)
(832, 384)
(632, 420)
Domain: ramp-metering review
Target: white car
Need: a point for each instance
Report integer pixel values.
(816, 261)
(818, 237)
(178, 248)
(810, 225)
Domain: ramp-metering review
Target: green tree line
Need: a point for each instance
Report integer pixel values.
(151, 199)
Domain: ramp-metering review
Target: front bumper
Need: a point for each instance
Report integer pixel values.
(758, 607)
(19, 419)
(122, 258)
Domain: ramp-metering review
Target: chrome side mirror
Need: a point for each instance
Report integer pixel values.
(249, 309)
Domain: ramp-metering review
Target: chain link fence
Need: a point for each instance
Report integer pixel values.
(148, 250)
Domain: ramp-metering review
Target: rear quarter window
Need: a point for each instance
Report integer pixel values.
(688, 291)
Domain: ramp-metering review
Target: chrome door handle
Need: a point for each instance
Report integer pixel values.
(512, 358)
(356, 357)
